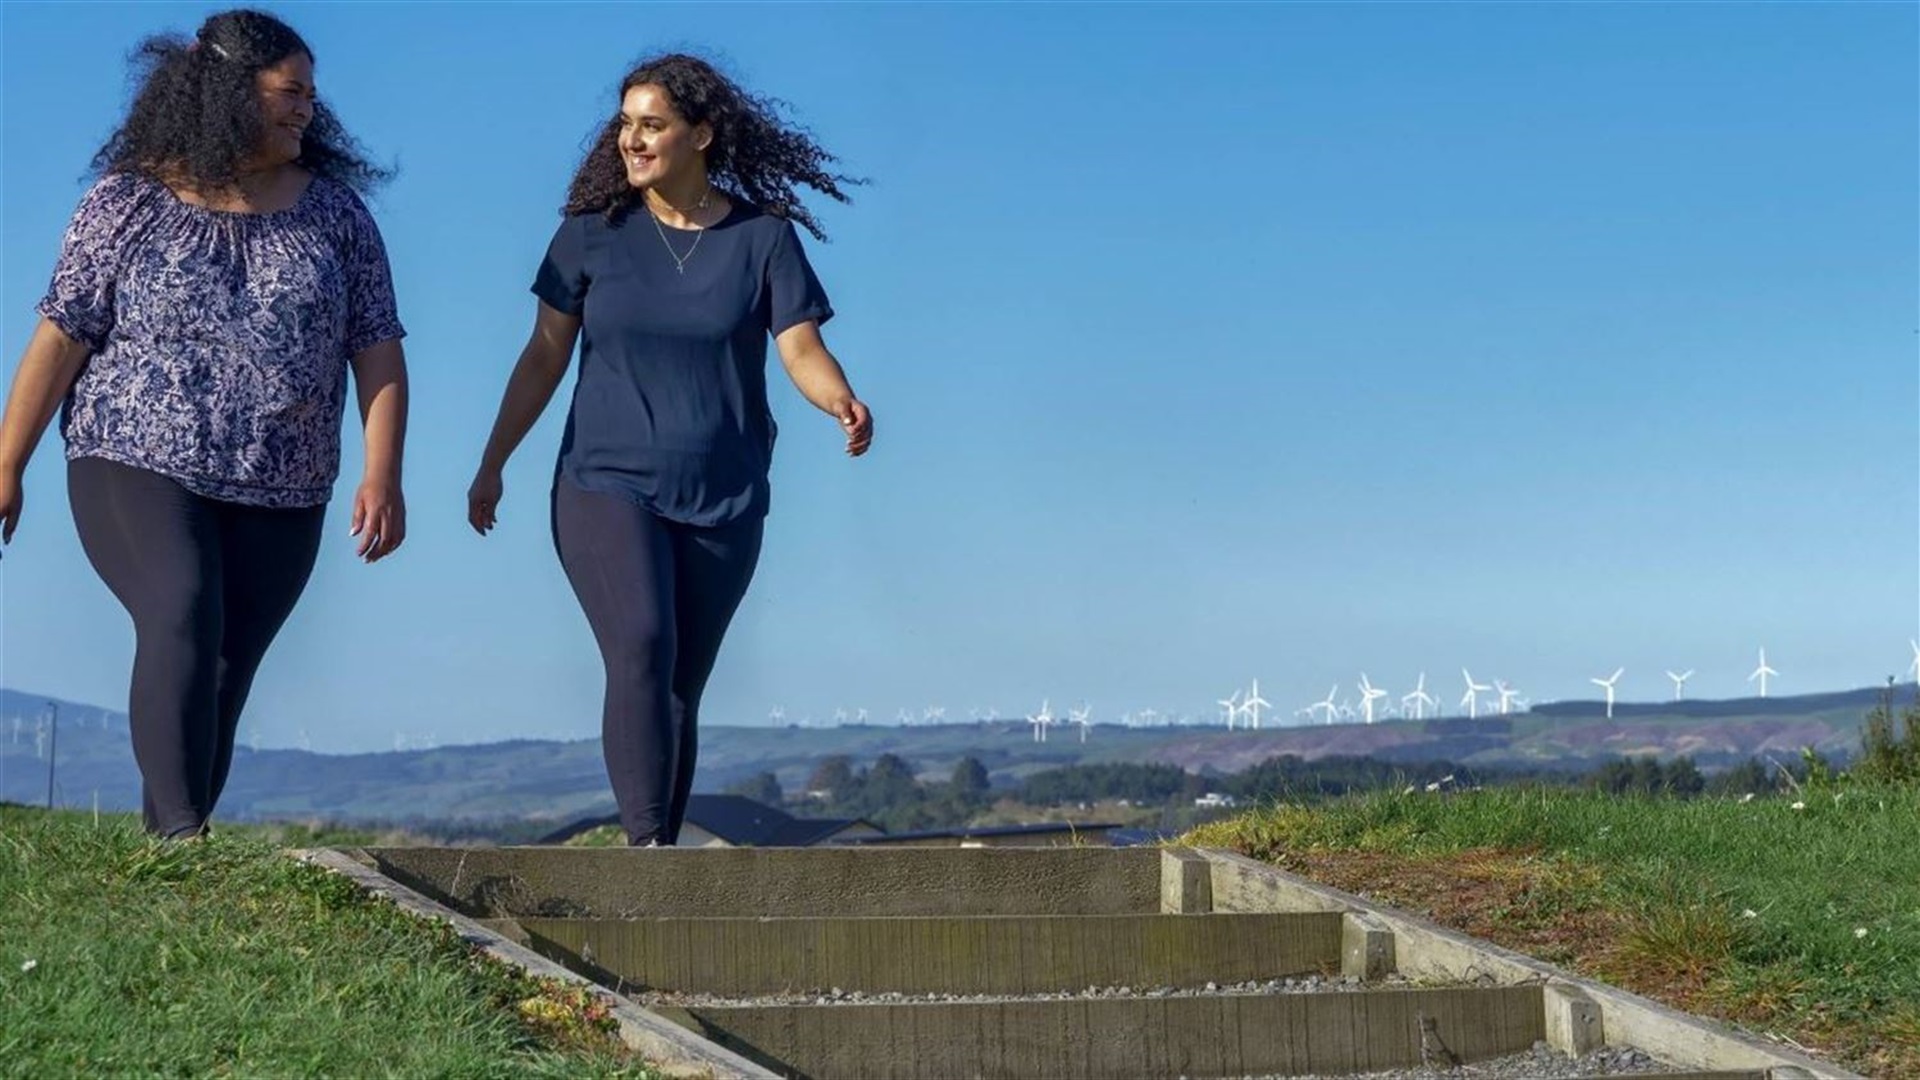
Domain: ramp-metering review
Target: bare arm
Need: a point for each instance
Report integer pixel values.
(47, 370)
(379, 508)
(543, 363)
(819, 378)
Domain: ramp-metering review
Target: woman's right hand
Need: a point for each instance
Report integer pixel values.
(10, 502)
(483, 500)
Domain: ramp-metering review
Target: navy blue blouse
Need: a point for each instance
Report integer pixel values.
(671, 405)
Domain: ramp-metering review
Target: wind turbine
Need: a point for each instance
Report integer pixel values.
(1254, 704)
(1369, 693)
(1148, 716)
(1916, 659)
(904, 717)
(839, 716)
(1419, 698)
(860, 716)
(1230, 708)
(1083, 717)
(1327, 704)
(935, 714)
(1608, 683)
(1041, 721)
(1471, 699)
(1507, 695)
(776, 715)
(1679, 682)
(1762, 672)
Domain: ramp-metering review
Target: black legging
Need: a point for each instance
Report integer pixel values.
(208, 584)
(659, 596)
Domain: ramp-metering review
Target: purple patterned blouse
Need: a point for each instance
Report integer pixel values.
(220, 341)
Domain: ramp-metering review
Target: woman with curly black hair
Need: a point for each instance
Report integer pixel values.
(216, 284)
(677, 258)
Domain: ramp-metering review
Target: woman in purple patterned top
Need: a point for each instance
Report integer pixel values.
(215, 286)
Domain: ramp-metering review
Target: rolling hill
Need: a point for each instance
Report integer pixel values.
(559, 781)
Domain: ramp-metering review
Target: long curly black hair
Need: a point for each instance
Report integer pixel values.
(195, 118)
(753, 156)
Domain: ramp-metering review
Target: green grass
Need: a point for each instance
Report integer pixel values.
(123, 957)
(1801, 921)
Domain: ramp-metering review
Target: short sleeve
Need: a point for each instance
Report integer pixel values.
(373, 315)
(562, 281)
(79, 299)
(794, 291)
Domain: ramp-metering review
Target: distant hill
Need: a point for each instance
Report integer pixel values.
(1796, 705)
(559, 781)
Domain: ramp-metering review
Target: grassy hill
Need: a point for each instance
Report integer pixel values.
(1796, 916)
(122, 957)
(545, 782)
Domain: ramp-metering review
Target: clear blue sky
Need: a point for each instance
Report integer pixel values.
(1205, 343)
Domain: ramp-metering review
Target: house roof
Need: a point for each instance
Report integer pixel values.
(738, 820)
(1041, 829)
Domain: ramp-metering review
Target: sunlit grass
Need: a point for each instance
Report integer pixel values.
(1797, 915)
(120, 956)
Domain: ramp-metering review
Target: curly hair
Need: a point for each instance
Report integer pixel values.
(753, 156)
(195, 117)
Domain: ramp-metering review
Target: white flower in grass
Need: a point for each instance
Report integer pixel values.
(1410, 790)
(1799, 806)
(1749, 913)
(1859, 931)
(1747, 798)
(29, 966)
(1435, 786)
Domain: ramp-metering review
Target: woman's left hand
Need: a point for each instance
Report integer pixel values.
(857, 422)
(379, 518)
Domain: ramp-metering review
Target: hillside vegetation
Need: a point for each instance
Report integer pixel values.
(122, 956)
(1794, 916)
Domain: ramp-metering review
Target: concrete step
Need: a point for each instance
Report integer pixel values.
(715, 882)
(1201, 1036)
(941, 955)
(707, 931)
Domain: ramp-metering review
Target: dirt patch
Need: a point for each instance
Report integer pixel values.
(1556, 910)
(1527, 902)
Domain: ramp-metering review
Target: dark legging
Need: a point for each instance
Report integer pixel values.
(208, 584)
(659, 596)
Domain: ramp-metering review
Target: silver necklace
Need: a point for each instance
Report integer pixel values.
(680, 261)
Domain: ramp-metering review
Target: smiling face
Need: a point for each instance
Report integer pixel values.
(657, 145)
(286, 95)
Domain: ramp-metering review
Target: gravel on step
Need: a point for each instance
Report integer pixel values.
(1541, 1063)
(1303, 984)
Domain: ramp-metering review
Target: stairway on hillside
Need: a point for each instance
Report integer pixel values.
(1069, 962)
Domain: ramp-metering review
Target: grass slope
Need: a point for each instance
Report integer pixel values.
(1796, 922)
(123, 957)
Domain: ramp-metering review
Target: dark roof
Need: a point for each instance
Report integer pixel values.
(806, 832)
(1140, 837)
(738, 820)
(1041, 829)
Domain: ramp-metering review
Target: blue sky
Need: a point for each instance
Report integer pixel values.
(1205, 343)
